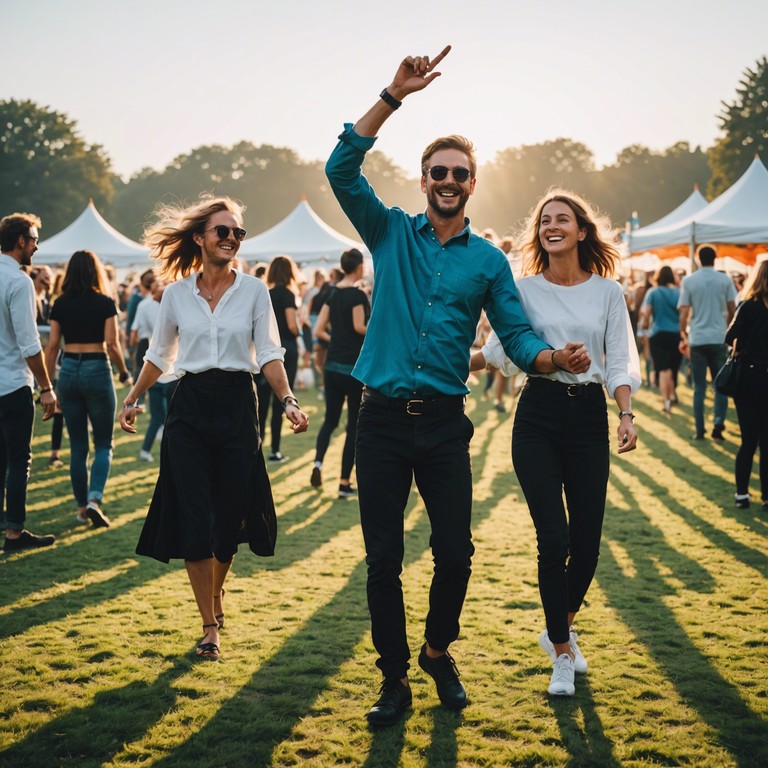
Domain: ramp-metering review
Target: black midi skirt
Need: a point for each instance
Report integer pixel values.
(213, 491)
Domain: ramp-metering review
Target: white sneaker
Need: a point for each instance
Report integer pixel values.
(562, 682)
(580, 665)
(146, 456)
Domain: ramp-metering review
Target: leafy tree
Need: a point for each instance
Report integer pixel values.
(46, 168)
(745, 125)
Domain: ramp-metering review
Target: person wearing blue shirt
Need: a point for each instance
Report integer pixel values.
(659, 314)
(433, 277)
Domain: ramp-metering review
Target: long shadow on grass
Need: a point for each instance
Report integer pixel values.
(92, 735)
(639, 600)
(265, 712)
(587, 745)
(744, 554)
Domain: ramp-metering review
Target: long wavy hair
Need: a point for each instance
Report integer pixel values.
(171, 238)
(757, 287)
(596, 253)
(84, 273)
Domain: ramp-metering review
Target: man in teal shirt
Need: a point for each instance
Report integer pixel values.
(432, 279)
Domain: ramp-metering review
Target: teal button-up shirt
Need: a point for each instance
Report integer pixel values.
(427, 296)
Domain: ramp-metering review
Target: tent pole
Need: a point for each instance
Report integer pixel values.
(692, 250)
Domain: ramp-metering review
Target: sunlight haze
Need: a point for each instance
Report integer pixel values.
(151, 80)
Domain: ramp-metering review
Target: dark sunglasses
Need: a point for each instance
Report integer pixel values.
(440, 172)
(222, 232)
(29, 237)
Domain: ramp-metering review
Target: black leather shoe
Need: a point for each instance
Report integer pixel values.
(395, 698)
(27, 540)
(446, 676)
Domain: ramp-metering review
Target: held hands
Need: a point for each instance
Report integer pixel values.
(573, 358)
(415, 73)
(297, 417)
(128, 417)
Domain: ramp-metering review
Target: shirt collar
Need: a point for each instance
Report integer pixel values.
(9, 261)
(423, 223)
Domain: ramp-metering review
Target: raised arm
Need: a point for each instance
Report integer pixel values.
(414, 74)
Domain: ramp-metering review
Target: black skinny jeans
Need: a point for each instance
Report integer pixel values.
(393, 448)
(267, 396)
(752, 409)
(338, 387)
(560, 443)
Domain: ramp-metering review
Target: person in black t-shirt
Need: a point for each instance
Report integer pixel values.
(281, 278)
(347, 310)
(85, 317)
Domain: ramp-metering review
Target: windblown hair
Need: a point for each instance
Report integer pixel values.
(757, 286)
(171, 238)
(450, 142)
(84, 273)
(351, 260)
(664, 276)
(11, 227)
(283, 272)
(596, 253)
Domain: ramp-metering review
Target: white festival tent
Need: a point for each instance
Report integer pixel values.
(89, 231)
(644, 239)
(737, 221)
(303, 236)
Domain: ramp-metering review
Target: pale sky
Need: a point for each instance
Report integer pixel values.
(151, 80)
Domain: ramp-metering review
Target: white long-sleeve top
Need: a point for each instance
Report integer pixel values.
(19, 338)
(239, 335)
(593, 312)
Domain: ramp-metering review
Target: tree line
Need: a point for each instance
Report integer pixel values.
(48, 169)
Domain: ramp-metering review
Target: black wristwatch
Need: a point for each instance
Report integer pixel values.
(622, 414)
(289, 399)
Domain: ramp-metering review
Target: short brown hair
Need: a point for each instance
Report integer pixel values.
(454, 141)
(11, 227)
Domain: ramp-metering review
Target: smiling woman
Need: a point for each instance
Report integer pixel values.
(215, 330)
(560, 441)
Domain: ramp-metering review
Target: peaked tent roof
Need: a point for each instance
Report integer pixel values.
(644, 239)
(739, 217)
(303, 236)
(90, 231)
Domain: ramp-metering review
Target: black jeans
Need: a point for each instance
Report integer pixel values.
(338, 387)
(267, 396)
(393, 448)
(560, 443)
(17, 417)
(752, 409)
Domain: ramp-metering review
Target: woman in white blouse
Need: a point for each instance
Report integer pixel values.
(215, 330)
(560, 438)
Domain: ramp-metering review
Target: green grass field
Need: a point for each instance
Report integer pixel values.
(98, 644)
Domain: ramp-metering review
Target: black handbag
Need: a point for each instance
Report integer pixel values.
(727, 379)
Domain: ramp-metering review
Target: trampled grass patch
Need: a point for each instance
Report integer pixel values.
(99, 644)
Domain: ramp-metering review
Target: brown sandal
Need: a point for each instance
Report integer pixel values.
(208, 651)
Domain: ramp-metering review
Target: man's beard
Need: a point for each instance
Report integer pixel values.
(434, 200)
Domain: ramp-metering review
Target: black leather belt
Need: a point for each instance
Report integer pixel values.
(418, 405)
(590, 389)
(85, 355)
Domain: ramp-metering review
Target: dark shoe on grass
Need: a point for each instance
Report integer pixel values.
(97, 516)
(446, 676)
(27, 540)
(717, 433)
(393, 700)
(316, 479)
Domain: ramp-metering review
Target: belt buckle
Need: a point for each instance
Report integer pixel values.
(410, 405)
(574, 390)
